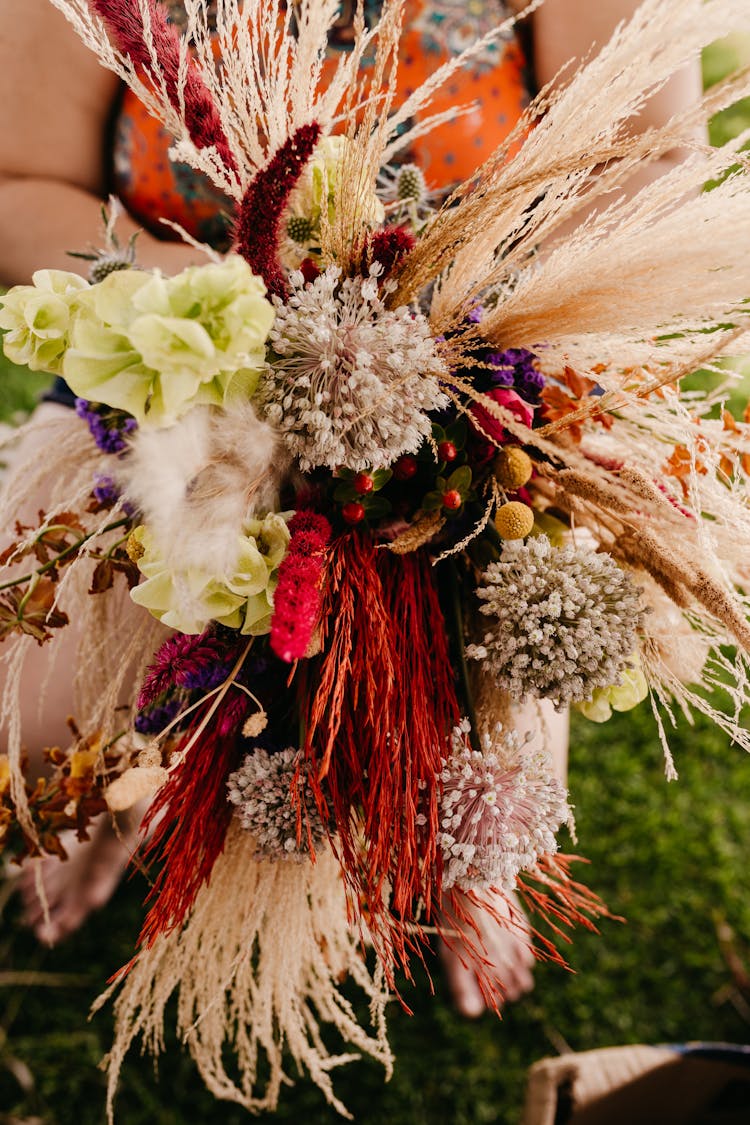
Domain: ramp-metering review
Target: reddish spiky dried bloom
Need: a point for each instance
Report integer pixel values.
(190, 662)
(389, 247)
(297, 597)
(257, 231)
(124, 24)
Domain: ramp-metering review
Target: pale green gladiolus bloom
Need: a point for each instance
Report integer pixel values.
(619, 697)
(157, 346)
(37, 319)
(189, 600)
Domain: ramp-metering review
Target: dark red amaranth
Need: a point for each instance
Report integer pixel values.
(377, 727)
(257, 230)
(309, 270)
(190, 816)
(124, 24)
(389, 247)
(297, 599)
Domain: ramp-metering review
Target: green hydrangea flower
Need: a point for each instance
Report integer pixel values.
(37, 319)
(156, 346)
(188, 600)
(619, 697)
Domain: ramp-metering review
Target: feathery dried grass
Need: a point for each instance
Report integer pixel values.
(239, 986)
(109, 641)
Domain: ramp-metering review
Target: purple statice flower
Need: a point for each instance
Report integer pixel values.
(107, 493)
(154, 719)
(475, 315)
(203, 676)
(108, 428)
(503, 371)
(516, 367)
(105, 490)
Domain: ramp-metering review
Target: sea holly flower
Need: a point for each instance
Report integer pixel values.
(37, 319)
(157, 346)
(189, 598)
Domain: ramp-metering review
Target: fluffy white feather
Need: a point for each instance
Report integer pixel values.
(197, 482)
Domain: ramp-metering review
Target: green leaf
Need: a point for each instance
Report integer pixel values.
(376, 507)
(344, 491)
(460, 479)
(380, 479)
(457, 432)
(432, 502)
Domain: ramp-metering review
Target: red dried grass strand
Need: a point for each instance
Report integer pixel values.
(550, 896)
(560, 902)
(377, 725)
(190, 816)
(258, 226)
(124, 22)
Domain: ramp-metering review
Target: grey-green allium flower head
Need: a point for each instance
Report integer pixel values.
(563, 621)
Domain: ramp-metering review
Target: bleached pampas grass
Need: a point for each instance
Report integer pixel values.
(522, 201)
(256, 970)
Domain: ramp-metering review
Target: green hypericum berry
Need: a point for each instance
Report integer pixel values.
(410, 184)
(299, 228)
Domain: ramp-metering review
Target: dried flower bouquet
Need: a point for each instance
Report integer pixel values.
(383, 471)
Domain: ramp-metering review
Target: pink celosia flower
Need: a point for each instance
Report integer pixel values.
(297, 597)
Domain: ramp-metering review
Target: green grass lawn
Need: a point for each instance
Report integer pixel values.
(671, 858)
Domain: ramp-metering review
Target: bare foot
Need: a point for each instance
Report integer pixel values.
(506, 948)
(72, 888)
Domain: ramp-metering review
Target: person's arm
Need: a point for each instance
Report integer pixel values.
(575, 29)
(55, 101)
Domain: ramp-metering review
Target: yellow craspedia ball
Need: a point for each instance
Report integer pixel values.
(513, 467)
(514, 520)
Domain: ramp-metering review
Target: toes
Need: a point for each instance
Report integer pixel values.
(36, 905)
(463, 984)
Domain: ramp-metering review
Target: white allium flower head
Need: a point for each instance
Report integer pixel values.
(349, 382)
(564, 621)
(500, 810)
(261, 791)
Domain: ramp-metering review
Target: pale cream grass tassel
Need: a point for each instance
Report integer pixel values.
(576, 130)
(267, 87)
(256, 968)
(109, 641)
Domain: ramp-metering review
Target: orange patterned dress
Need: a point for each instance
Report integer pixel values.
(151, 186)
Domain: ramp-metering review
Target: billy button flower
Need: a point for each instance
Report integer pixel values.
(450, 493)
(357, 492)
